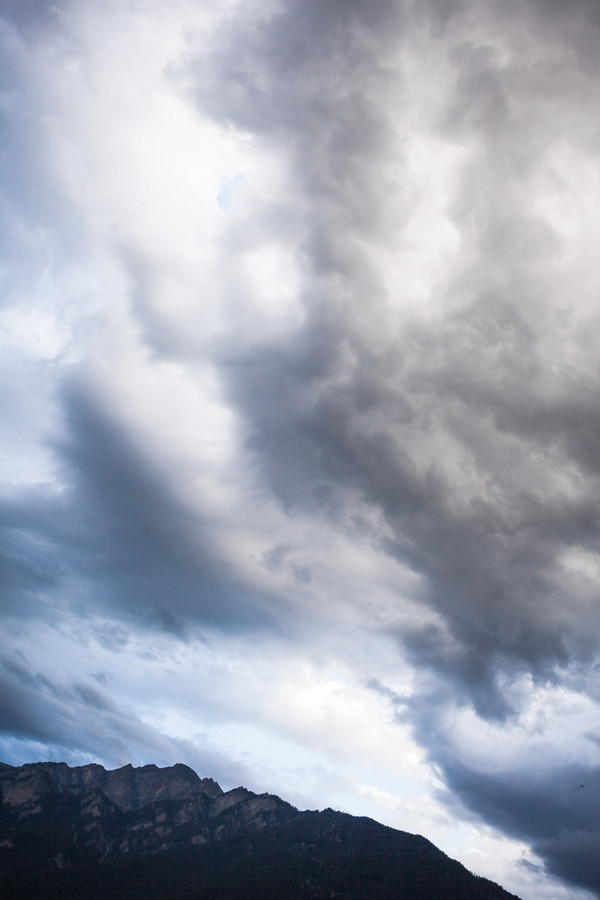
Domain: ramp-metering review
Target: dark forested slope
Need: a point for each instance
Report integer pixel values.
(86, 832)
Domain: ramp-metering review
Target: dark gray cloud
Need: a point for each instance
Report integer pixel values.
(470, 431)
(117, 537)
(29, 14)
(74, 719)
(556, 811)
(342, 408)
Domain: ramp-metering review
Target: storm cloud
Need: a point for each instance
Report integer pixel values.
(300, 388)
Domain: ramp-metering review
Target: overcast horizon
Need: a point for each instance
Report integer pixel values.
(300, 445)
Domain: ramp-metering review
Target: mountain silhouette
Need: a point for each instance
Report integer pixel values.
(85, 832)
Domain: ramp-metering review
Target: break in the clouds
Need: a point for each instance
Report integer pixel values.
(299, 399)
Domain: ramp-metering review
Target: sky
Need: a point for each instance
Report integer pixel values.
(299, 404)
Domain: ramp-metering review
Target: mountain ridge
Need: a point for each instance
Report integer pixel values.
(86, 831)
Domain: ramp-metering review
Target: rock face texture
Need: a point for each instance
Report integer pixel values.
(86, 832)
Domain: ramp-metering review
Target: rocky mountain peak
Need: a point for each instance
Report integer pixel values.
(152, 832)
(128, 788)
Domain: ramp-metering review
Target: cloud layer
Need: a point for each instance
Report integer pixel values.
(299, 388)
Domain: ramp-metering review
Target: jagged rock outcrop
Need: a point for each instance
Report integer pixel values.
(92, 813)
(130, 789)
(91, 833)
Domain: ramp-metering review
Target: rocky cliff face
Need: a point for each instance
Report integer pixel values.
(128, 788)
(89, 813)
(91, 833)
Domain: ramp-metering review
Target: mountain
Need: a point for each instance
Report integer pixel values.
(86, 832)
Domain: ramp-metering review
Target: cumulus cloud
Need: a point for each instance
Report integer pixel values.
(299, 366)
